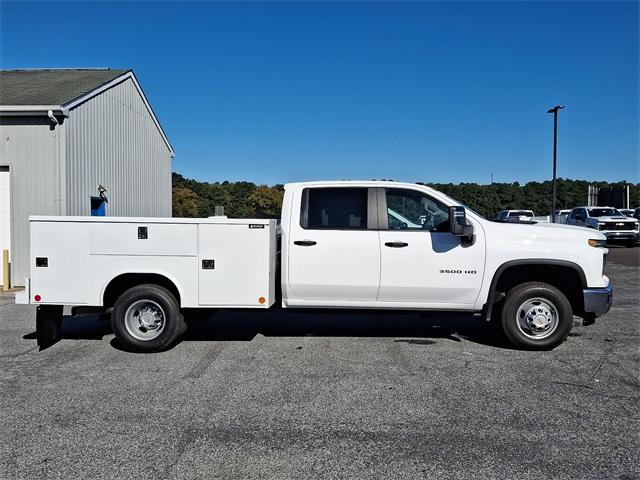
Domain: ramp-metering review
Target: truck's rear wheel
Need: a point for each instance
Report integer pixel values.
(147, 318)
(536, 316)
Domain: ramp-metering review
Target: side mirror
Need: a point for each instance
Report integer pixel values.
(458, 223)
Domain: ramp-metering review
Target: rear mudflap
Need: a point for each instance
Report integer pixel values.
(48, 325)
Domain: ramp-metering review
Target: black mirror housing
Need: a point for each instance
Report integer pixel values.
(458, 224)
(457, 220)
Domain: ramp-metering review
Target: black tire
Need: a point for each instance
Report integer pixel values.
(532, 297)
(161, 303)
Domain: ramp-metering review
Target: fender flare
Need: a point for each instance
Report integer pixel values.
(491, 297)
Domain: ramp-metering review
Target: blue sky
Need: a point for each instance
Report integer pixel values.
(443, 92)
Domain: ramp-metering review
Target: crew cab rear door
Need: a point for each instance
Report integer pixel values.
(333, 247)
(422, 263)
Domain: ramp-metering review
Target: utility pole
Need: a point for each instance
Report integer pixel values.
(554, 110)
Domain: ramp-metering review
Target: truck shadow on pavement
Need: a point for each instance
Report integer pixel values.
(417, 328)
(409, 327)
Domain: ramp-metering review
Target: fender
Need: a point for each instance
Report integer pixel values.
(491, 298)
(169, 277)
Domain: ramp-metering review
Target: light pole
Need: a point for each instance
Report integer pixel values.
(554, 110)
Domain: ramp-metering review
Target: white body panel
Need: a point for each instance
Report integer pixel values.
(244, 264)
(430, 268)
(84, 254)
(65, 279)
(343, 265)
(163, 239)
(543, 242)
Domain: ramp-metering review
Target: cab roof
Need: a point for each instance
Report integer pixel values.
(357, 183)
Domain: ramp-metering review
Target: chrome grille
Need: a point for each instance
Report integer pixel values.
(617, 226)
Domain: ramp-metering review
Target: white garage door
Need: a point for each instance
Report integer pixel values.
(5, 215)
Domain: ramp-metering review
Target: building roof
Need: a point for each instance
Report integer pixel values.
(51, 86)
(58, 90)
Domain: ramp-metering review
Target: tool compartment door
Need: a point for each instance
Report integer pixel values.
(139, 238)
(59, 262)
(234, 265)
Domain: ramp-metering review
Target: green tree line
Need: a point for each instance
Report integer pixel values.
(536, 196)
(192, 198)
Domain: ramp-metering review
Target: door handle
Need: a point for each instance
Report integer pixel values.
(305, 243)
(396, 244)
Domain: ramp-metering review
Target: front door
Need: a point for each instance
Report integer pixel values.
(334, 250)
(421, 262)
(578, 217)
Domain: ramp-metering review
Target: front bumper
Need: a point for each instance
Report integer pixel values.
(597, 301)
(620, 234)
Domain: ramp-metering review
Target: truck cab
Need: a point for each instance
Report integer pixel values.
(365, 245)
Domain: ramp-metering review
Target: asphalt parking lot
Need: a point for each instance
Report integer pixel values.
(324, 395)
(624, 256)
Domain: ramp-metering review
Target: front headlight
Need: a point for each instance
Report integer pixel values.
(597, 243)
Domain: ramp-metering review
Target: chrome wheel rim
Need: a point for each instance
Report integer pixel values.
(537, 318)
(144, 320)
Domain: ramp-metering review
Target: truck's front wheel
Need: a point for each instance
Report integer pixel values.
(147, 318)
(536, 316)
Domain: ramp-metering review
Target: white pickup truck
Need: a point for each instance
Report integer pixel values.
(378, 244)
(613, 224)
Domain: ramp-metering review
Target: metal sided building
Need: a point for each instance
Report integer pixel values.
(63, 133)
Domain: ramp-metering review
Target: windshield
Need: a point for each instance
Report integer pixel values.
(456, 202)
(604, 212)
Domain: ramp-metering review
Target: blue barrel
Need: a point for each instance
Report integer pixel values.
(98, 207)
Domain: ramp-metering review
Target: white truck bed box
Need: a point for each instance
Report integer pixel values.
(213, 261)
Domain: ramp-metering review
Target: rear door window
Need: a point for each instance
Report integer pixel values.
(334, 208)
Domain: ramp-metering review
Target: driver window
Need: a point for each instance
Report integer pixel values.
(413, 210)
